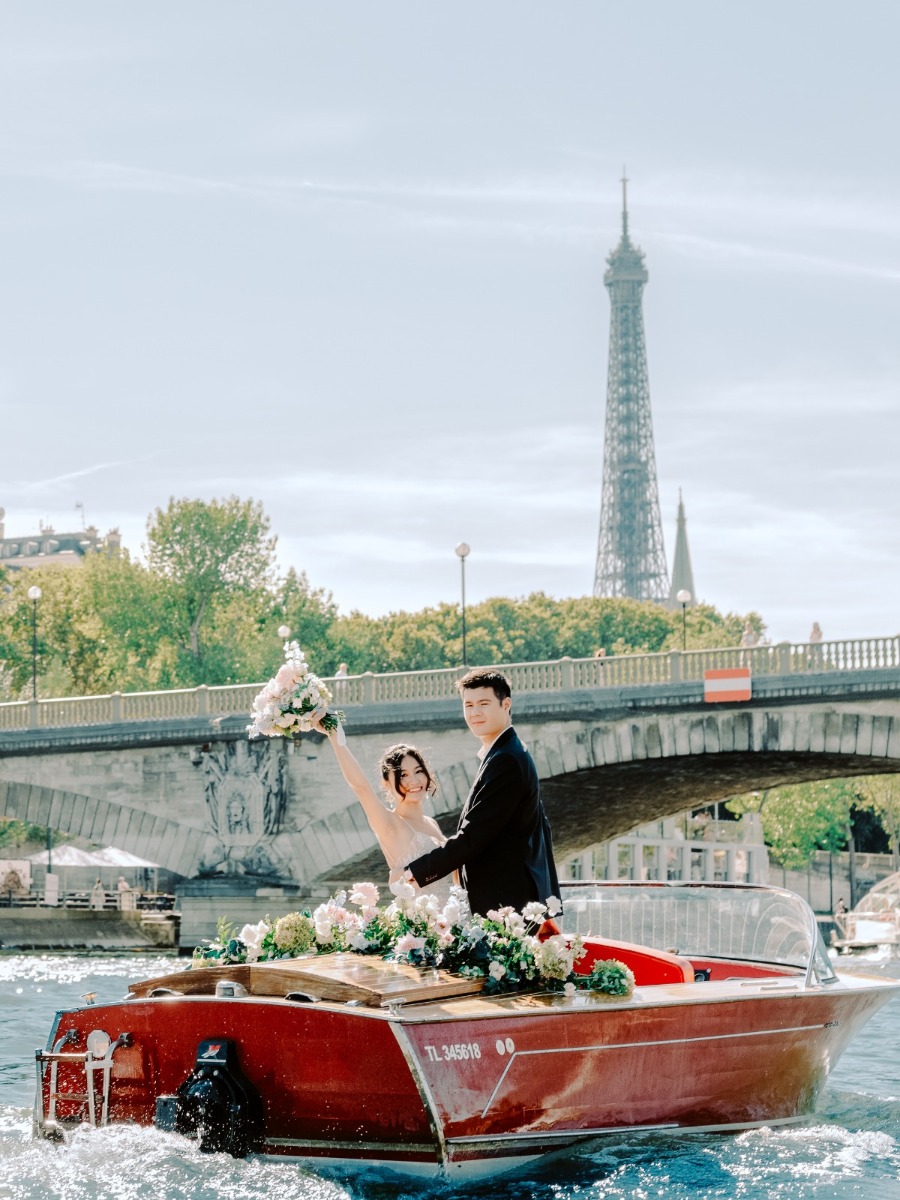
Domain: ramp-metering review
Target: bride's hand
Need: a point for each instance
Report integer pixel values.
(317, 717)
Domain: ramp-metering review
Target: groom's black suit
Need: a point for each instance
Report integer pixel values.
(502, 847)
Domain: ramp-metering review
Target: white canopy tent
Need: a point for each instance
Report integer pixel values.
(83, 867)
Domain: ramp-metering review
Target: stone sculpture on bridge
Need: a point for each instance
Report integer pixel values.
(246, 796)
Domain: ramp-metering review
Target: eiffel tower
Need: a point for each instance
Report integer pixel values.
(631, 557)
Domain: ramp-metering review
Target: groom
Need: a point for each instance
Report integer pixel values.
(502, 847)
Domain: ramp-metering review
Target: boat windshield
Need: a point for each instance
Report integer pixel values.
(752, 924)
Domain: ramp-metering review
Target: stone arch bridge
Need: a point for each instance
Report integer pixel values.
(618, 742)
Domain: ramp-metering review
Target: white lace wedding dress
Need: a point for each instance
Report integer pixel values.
(419, 844)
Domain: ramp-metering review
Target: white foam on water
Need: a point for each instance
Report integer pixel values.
(813, 1154)
(127, 1162)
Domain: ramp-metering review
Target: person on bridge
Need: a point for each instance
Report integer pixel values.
(502, 848)
(401, 827)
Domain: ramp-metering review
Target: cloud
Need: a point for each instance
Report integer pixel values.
(765, 257)
(27, 489)
(752, 223)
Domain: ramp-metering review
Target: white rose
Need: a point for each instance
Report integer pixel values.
(252, 936)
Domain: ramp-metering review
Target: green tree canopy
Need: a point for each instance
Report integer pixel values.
(207, 605)
(208, 552)
(883, 793)
(804, 817)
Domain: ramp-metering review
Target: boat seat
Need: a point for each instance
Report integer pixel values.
(647, 965)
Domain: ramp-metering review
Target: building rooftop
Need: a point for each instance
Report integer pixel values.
(49, 547)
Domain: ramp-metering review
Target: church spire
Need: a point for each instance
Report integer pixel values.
(682, 574)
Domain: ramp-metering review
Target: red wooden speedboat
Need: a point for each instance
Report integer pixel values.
(735, 1021)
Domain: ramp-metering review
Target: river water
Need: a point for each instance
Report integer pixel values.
(850, 1148)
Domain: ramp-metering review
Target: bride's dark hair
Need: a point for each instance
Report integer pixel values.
(390, 767)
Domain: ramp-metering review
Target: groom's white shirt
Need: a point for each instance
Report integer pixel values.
(484, 749)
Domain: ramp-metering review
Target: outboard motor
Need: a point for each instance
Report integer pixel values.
(216, 1104)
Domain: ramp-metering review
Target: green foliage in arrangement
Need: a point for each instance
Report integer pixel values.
(501, 948)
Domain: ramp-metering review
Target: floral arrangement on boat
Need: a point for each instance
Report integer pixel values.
(418, 929)
(285, 705)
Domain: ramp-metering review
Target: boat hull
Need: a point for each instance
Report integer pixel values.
(475, 1085)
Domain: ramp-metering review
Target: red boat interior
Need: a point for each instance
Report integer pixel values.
(668, 966)
(648, 966)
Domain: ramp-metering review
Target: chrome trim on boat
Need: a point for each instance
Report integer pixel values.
(557, 1134)
(711, 1037)
(600, 1131)
(329, 1144)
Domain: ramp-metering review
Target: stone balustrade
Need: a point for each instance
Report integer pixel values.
(565, 674)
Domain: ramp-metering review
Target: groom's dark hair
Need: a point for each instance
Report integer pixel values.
(486, 677)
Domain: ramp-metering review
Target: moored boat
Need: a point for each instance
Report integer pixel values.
(873, 923)
(735, 1020)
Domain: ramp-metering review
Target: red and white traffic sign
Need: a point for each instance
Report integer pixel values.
(728, 683)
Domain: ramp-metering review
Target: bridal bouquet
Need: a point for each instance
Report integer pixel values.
(286, 704)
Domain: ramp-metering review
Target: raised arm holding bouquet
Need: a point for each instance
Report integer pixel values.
(296, 701)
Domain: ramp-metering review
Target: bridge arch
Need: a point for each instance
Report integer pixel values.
(600, 777)
(172, 845)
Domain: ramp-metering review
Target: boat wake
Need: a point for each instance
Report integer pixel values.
(129, 1162)
(852, 1148)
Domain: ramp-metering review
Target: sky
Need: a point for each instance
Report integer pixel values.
(347, 259)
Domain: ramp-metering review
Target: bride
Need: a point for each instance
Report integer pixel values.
(403, 830)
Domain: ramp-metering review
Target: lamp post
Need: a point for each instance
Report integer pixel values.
(284, 632)
(462, 551)
(34, 594)
(684, 598)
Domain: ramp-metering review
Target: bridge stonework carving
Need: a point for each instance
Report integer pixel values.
(245, 798)
(189, 791)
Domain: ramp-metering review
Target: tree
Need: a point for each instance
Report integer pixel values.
(206, 552)
(804, 817)
(309, 613)
(883, 793)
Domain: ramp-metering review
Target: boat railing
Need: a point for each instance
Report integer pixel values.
(744, 922)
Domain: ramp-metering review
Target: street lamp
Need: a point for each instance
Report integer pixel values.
(684, 598)
(34, 594)
(462, 551)
(283, 632)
